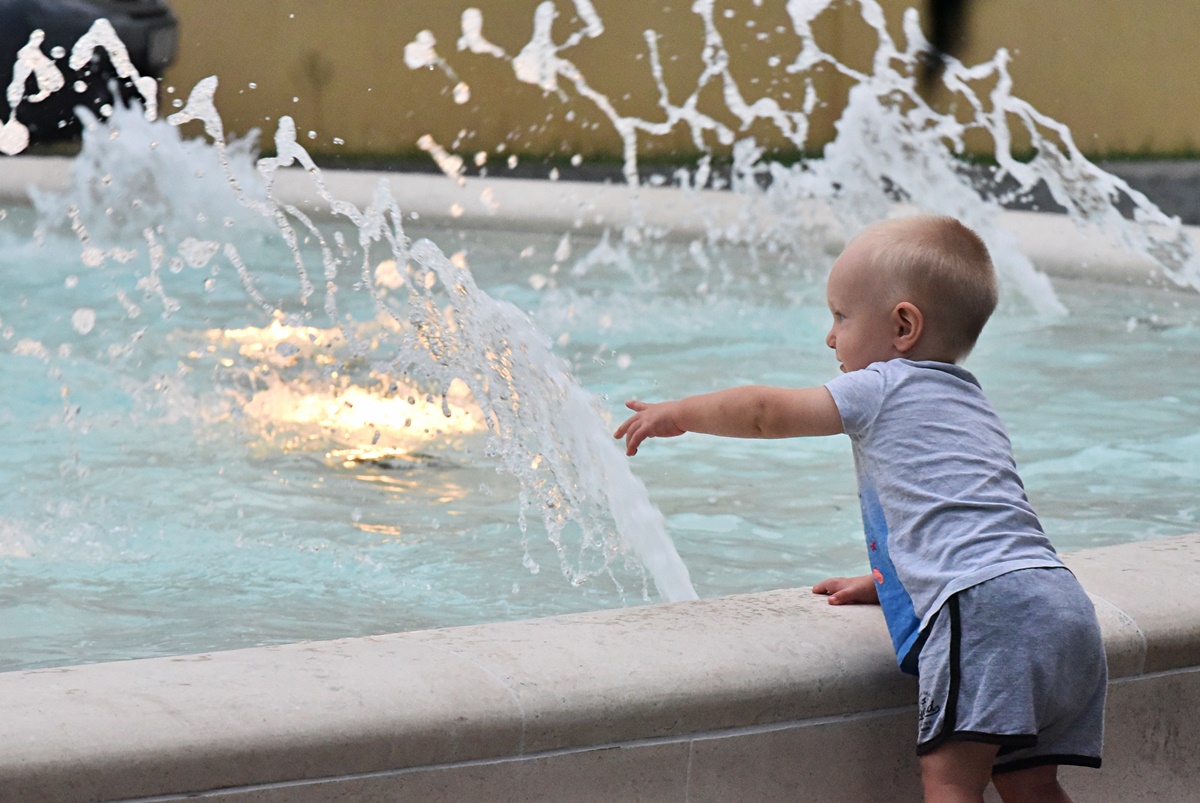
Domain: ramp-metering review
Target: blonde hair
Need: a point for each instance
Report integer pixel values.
(944, 268)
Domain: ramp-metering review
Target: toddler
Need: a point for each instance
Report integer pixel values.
(1004, 640)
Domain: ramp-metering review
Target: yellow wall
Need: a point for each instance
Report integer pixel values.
(1120, 73)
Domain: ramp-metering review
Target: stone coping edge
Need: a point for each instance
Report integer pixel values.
(1051, 241)
(289, 713)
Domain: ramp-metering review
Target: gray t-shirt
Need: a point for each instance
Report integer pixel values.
(943, 507)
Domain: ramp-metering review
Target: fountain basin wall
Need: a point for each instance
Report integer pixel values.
(1052, 242)
(756, 697)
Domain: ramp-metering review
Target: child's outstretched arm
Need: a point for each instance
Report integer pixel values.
(754, 411)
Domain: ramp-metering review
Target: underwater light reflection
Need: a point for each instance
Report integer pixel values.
(304, 397)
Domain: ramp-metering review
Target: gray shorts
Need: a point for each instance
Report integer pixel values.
(1016, 661)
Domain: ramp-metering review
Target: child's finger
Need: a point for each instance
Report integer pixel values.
(828, 587)
(636, 406)
(634, 438)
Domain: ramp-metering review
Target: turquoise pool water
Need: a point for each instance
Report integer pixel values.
(229, 424)
(155, 504)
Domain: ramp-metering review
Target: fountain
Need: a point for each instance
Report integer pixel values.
(266, 392)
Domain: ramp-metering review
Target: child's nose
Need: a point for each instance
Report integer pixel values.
(830, 341)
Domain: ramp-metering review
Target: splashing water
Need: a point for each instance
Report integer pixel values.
(33, 63)
(891, 144)
(436, 337)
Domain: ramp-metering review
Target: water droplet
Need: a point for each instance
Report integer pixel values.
(84, 320)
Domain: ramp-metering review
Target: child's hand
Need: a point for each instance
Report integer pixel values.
(849, 590)
(648, 421)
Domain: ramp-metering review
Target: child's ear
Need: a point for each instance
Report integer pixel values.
(908, 324)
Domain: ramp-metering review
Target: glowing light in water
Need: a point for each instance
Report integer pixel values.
(382, 421)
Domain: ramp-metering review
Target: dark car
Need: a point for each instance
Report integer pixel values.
(147, 28)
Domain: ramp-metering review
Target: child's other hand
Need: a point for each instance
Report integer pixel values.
(648, 421)
(849, 590)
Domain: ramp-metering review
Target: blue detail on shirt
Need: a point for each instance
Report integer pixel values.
(898, 611)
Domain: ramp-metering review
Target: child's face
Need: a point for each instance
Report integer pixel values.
(862, 329)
